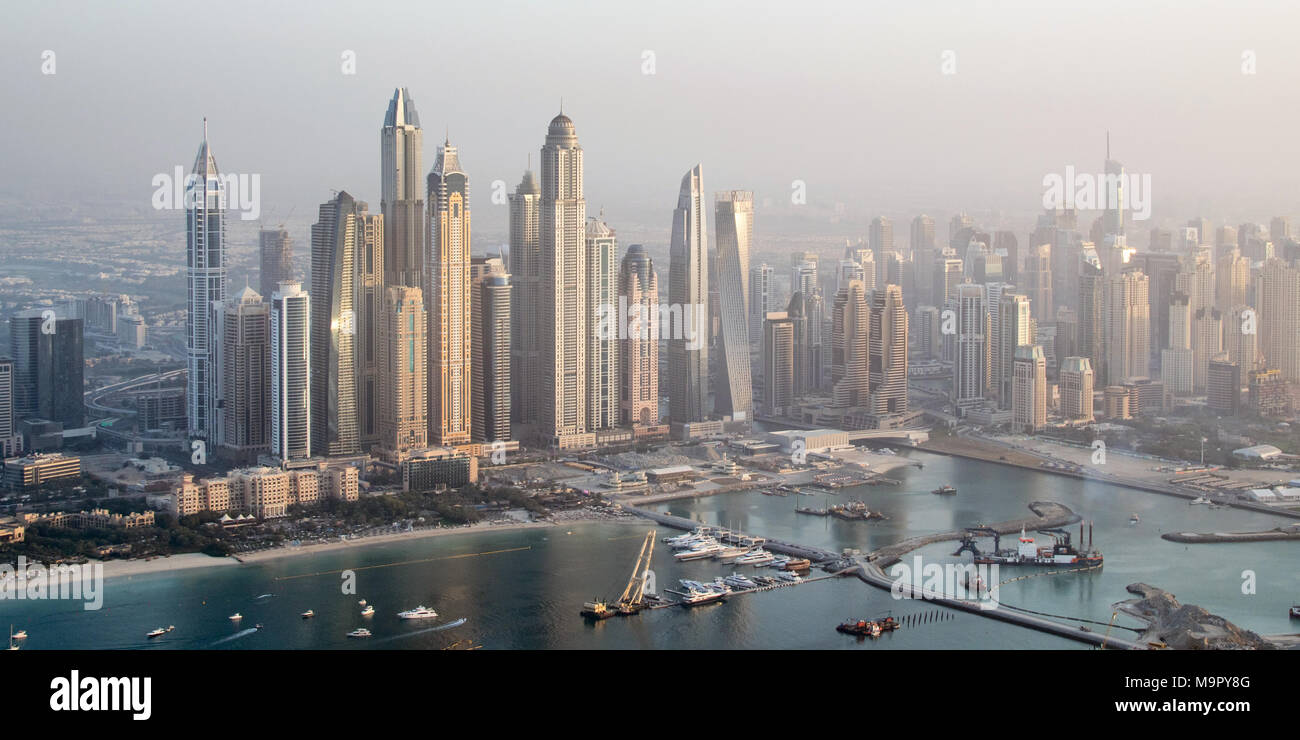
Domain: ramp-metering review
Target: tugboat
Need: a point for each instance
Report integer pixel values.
(860, 628)
(945, 491)
(596, 609)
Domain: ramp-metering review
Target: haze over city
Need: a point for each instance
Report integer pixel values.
(849, 98)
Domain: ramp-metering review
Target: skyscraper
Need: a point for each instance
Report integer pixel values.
(1277, 296)
(762, 299)
(688, 288)
(401, 143)
(602, 325)
(1232, 280)
(291, 373)
(369, 310)
(491, 294)
(778, 363)
(639, 347)
(806, 313)
(1207, 343)
(1076, 389)
(1013, 332)
(275, 250)
(49, 366)
(205, 259)
(881, 240)
(734, 228)
(448, 301)
(244, 365)
(402, 341)
(1037, 281)
(924, 254)
(1128, 327)
(525, 325)
(563, 297)
(971, 372)
(887, 347)
(850, 347)
(10, 441)
(337, 257)
(1029, 395)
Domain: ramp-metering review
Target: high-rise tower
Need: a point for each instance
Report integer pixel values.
(639, 348)
(205, 259)
(525, 279)
(402, 193)
(563, 309)
(734, 229)
(291, 373)
(448, 299)
(688, 289)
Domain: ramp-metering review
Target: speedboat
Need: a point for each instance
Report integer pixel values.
(156, 633)
(308, 614)
(20, 635)
(360, 632)
(419, 612)
(362, 602)
(236, 617)
(1200, 500)
(257, 626)
(1134, 519)
(368, 611)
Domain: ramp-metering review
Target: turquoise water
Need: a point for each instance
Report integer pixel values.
(523, 588)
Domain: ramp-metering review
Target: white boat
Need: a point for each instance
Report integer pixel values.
(735, 580)
(160, 631)
(1200, 500)
(779, 561)
(698, 553)
(789, 577)
(20, 635)
(368, 611)
(236, 617)
(1134, 519)
(419, 612)
(730, 554)
(756, 557)
(362, 602)
(360, 632)
(308, 614)
(694, 598)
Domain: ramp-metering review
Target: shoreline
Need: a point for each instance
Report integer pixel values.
(192, 560)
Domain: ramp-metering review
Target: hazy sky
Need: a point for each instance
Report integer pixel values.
(847, 96)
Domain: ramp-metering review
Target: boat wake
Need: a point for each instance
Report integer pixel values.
(439, 628)
(236, 636)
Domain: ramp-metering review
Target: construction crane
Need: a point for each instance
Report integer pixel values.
(968, 540)
(633, 598)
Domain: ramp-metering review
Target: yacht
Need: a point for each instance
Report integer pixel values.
(360, 632)
(368, 611)
(736, 580)
(308, 614)
(756, 557)
(788, 577)
(730, 554)
(706, 551)
(419, 612)
(779, 561)
(695, 598)
(160, 631)
(236, 617)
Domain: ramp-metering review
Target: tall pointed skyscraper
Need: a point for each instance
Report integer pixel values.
(205, 258)
(401, 149)
(525, 279)
(562, 412)
(688, 291)
(734, 226)
(449, 301)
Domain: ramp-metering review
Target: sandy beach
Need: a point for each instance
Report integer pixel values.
(186, 561)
